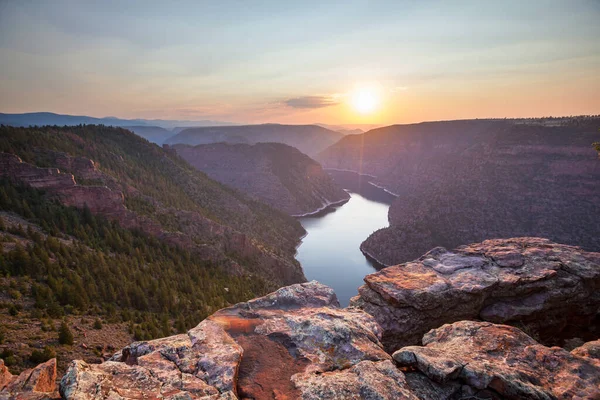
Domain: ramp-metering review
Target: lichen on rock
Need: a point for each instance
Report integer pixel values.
(531, 282)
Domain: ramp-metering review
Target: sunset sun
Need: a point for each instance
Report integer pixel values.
(365, 100)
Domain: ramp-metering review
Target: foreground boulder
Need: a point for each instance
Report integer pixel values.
(551, 289)
(295, 343)
(31, 384)
(500, 361)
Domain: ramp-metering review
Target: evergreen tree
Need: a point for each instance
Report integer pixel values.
(65, 336)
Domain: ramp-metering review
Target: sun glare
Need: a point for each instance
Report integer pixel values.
(365, 100)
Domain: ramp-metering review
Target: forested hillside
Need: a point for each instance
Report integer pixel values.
(277, 174)
(98, 222)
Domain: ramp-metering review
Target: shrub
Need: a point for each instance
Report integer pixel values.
(10, 361)
(97, 324)
(8, 357)
(36, 313)
(39, 356)
(65, 336)
(12, 310)
(15, 294)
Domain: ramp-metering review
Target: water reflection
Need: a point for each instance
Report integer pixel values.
(330, 251)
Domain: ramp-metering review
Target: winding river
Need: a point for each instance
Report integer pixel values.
(330, 252)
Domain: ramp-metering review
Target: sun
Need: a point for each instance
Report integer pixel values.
(365, 100)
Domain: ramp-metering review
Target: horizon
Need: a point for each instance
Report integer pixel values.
(376, 64)
(332, 126)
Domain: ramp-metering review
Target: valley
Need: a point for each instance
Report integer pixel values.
(92, 229)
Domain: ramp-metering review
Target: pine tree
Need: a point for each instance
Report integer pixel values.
(65, 336)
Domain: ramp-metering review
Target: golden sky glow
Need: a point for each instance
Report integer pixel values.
(377, 62)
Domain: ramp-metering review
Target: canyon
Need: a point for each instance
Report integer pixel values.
(503, 318)
(466, 181)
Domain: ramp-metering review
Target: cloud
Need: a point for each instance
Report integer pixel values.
(398, 89)
(311, 102)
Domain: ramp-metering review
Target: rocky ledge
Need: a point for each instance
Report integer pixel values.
(296, 343)
(549, 289)
(501, 362)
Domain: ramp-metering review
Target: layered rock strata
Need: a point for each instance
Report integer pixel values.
(106, 198)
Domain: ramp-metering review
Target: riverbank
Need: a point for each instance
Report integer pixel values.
(324, 207)
(378, 186)
(330, 251)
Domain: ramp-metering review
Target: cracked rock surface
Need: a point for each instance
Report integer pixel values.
(297, 343)
(548, 288)
(293, 343)
(502, 361)
(31, 384)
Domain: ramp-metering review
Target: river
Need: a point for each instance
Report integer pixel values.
(330, 252)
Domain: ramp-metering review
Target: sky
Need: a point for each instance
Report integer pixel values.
(301, 62)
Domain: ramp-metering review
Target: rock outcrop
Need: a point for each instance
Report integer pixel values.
(31, 384)
(589, 349)
(553, 290)
(294, 343)
(501, 362)
(274, 173)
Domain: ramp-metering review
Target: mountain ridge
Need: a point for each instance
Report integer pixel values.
(49, 118)
(309, 139)
(275, 173)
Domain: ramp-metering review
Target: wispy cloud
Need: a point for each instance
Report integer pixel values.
(311, 102)
(398, 89)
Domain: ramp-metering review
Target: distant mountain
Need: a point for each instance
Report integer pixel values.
(350, 129)
(46, 118)
(466, 181)
(309, 139)
(274, 173)
(154, 134)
